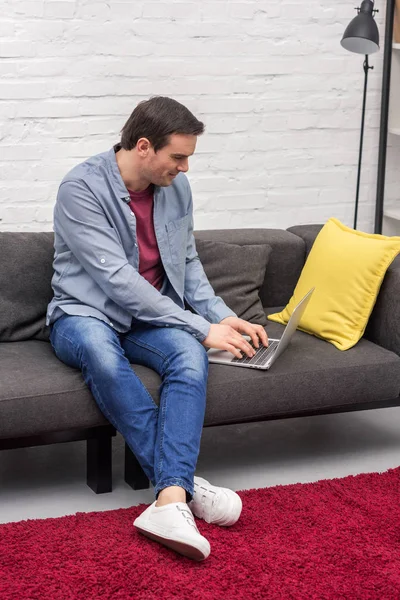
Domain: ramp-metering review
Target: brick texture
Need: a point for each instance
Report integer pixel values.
(281, 100)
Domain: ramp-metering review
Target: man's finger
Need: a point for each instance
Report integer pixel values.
(254, 332)
(249, 330)
(263, 335)
(254, 337)
(258, 331)
(246, 344)
(243, 342)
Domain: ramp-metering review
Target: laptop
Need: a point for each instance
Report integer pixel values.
(264, 357)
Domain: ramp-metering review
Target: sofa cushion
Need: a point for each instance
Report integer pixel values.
(26, 270)
(39, 394)
(236, 274)
(382, 328)
(346, 268)
(25, 284)
(285, 262)
(311, 375)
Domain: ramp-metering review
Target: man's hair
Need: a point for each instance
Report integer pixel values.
(156, 119)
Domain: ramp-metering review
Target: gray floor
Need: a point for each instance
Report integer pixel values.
(49, 481)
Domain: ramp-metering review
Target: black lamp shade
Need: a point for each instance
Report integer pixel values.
(362, 35)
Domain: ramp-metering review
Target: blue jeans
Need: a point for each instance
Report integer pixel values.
(165, 439)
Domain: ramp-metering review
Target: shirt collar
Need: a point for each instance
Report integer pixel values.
(114, 170)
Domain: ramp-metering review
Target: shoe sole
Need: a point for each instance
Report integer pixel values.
(179, 546)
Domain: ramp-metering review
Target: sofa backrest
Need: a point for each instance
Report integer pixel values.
(26, 270)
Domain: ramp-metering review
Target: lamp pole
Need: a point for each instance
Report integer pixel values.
(366, 69)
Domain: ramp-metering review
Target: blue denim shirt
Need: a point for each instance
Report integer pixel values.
(96, 260)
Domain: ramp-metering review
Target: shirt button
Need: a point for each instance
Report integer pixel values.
(112, 324)
(103, 260)
(135, 245)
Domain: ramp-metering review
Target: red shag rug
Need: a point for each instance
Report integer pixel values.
(337, 539)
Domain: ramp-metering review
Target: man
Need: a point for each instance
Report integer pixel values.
(125, 263)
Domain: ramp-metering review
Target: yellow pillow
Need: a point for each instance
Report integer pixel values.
(347, 268)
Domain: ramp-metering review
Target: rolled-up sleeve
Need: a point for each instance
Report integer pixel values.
(83, 225)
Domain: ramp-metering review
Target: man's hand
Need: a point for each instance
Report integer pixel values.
(226, 335)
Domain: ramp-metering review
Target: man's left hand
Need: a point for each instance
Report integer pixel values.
(242, 326)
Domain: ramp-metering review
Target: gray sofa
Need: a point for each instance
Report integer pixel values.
(44, 401)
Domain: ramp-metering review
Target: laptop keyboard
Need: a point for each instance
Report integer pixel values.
(261, 356)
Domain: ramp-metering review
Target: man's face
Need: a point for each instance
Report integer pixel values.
(163, 166)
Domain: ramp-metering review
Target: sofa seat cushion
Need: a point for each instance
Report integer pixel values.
(311, 375)
(39, 394)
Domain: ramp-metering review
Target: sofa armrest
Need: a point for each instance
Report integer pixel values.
(384, 324)
(308, 233)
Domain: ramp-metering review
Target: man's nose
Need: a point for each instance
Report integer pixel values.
(184, 166)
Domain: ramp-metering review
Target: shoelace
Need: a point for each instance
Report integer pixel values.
(187, 514)
(205, 497)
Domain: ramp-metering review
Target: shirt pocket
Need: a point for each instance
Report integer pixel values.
(177, 232)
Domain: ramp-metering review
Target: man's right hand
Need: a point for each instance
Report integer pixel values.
(224, 337)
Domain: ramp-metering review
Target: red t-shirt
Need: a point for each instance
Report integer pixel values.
(150, 265)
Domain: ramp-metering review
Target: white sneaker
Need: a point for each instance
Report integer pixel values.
(216, 505)
(174, 526)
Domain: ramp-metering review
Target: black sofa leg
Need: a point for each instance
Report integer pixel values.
(134, 474)
(98, 464)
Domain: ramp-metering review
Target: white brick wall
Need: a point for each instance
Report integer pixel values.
(280, 98)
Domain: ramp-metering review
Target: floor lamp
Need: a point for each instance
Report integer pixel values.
(362, 36)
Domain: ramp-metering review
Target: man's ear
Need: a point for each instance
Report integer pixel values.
(143, 147)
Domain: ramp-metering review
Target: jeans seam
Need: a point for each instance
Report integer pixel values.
(65, 337)
(108, 415)
(163, 406)
(104, 411)
(155, 405)
(156, 351)
(103, 408)
(163, 411)
(147, 346)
